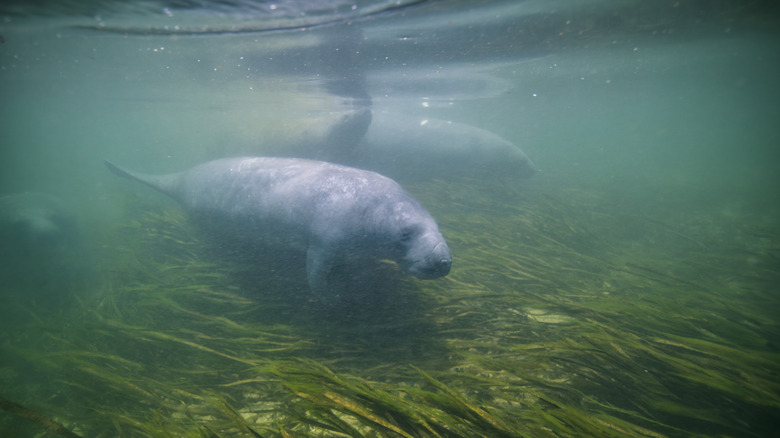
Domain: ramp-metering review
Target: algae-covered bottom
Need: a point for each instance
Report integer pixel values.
(568, 312)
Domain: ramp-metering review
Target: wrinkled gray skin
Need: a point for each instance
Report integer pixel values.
(34, 220)
(334, 213)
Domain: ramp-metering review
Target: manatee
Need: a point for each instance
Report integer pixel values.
(412, 148)
(334, 213)
(41, 249)
(33, 220)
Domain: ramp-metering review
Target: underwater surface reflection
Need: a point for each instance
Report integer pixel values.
(603, 173)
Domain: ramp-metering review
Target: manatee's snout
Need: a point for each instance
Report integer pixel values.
(437, 263)
(441, 260)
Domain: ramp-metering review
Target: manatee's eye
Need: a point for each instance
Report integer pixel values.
(408, 233)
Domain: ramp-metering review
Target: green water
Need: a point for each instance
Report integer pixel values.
(628, 289)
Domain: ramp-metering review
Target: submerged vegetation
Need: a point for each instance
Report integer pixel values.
(566, 314)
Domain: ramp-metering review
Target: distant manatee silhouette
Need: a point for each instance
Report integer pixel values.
(34, 220)
(404, 147)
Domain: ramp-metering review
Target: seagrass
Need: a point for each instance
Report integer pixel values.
(551, 324)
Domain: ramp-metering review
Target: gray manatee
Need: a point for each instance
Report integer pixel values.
(34, 220)
(410, 148)
(334, 213)
(45, 256)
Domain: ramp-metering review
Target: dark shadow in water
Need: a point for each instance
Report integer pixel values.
(376, 313)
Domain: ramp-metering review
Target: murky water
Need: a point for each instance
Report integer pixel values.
(624, 286)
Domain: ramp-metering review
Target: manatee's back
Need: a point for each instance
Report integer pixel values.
(254, 198)
(232, 186)
(272, 196)
(225, 184)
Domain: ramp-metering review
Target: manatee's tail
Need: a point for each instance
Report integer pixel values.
(163, 183)
(118, 170)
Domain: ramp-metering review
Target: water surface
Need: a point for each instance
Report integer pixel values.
(629, 288)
